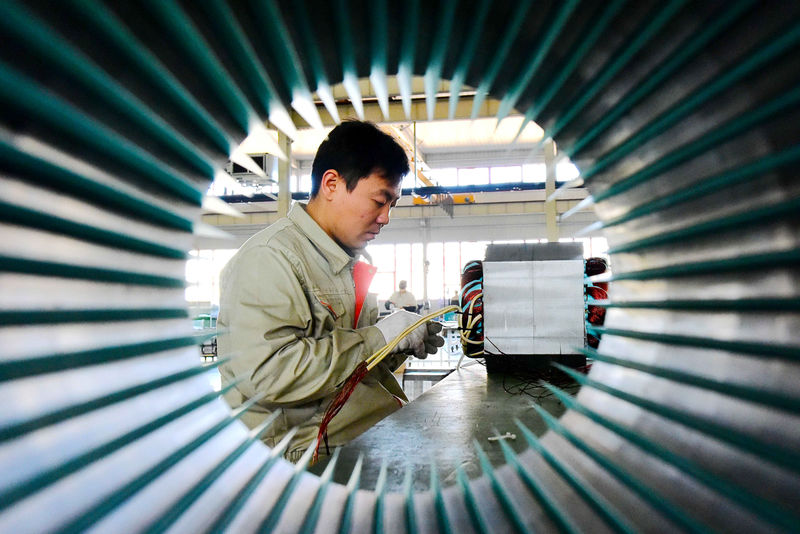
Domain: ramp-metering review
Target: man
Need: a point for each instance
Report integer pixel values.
(402, 298)
(289, 314)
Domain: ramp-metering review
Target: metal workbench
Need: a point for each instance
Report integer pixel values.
(440, 425)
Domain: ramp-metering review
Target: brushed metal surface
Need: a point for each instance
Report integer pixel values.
(534, 307)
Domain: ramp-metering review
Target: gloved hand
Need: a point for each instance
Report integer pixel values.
(422, 341)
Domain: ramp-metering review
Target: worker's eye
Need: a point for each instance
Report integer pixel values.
(380, 203)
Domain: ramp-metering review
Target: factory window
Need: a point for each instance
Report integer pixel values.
(502, 175)
(416, 280)
(409, 180)
(534, 172)
(566, 171)
(473, 176)
(202, 276)
(445, 177)
(229, 187)
(384, 258)
(451, 271)
(402, 264)
(598, 246)
(301, 184)
(471, 250)
(436, 258)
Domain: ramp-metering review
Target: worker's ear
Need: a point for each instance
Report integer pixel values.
(329, 184)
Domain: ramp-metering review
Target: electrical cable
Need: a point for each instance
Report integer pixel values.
(471, 308)
(358, 374)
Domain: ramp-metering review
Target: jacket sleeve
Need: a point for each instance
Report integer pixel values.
(281, 344)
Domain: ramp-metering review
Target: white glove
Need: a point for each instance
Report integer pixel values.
(422, 341)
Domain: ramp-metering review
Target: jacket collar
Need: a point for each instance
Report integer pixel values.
(337, 258)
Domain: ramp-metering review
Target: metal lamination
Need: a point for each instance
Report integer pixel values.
(682, 117)
(533, 307)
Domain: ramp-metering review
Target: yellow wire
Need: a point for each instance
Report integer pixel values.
(470, 322)
(472, 304)
(469, 327)
(387, 349)
(376, 358)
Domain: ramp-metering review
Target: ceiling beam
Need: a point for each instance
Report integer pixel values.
(419, 110)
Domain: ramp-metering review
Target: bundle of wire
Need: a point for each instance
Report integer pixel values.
(470, 300)
(595, 266)
(531, 383)
(358, 374)
(596, 314)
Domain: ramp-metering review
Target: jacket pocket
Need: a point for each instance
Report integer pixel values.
(329, 304)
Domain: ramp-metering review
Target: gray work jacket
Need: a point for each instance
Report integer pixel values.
(287, 304)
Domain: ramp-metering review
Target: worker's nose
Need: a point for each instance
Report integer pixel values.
(383, 216)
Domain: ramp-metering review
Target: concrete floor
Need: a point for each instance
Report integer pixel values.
(440, 426)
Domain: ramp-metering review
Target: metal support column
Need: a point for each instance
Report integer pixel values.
(550, 188)
(284, 169)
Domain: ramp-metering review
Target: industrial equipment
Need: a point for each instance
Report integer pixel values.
(532, 306)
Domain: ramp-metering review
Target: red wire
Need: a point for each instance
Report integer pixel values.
(336, 405)
(597, 293)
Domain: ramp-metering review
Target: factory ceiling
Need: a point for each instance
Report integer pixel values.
(432, 136)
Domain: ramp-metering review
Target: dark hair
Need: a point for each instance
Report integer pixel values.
(356, 149)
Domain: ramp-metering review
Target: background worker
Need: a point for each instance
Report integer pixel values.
(403, 298)
(293, 317)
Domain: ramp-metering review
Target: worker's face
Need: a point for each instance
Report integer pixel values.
(362, 212)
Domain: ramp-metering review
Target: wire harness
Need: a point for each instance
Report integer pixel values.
(471, 307)
(358, 374)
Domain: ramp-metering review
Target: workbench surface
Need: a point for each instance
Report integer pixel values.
(440, 426)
